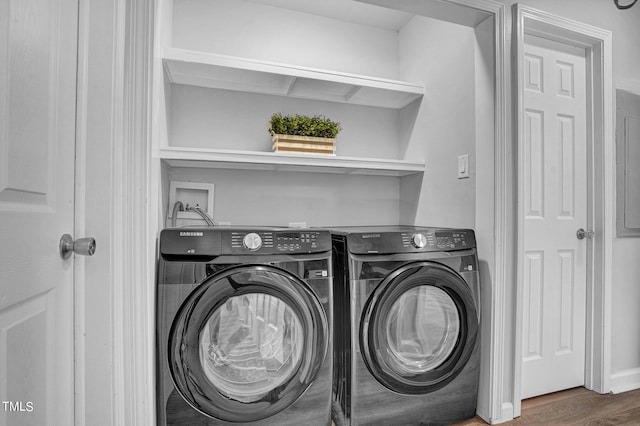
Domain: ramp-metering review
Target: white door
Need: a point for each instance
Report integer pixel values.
(555, 207)
(38, 71)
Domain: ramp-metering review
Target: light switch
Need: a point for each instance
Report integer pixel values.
(463, 166)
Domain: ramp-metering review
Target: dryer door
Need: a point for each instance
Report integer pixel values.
(419, 328)
(247, 343)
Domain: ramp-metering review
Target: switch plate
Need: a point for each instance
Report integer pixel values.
(463, 166)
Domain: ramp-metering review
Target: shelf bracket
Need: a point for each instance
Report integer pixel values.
(352, 93)
(291, 83)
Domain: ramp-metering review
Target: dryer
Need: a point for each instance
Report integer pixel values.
(406, 346)
(243, 326)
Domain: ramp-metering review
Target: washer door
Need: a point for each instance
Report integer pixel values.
(247, 343)
(419, 328)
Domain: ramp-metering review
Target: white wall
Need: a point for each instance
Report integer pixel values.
(279, 198)
(209, 118)
(251, 30)
(442, 55)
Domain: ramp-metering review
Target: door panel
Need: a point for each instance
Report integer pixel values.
(555, 184)
(29, 74)
(37, 146)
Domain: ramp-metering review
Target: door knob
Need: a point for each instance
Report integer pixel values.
(81, 246)
(582, 234)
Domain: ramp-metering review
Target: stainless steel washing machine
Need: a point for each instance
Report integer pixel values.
(406, 346)
(243, 326)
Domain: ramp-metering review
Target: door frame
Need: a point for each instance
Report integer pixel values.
(135, 229)
(600, 185)
(114, 381)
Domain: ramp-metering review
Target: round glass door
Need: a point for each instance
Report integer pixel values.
(247, 343)
(419, 328)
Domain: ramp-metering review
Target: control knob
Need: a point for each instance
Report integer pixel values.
(419, 240)
(252, 241)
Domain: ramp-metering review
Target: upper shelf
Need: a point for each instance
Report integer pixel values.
(308, 163)
(248, 75)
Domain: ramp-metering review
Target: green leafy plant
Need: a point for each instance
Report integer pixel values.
(302, 125)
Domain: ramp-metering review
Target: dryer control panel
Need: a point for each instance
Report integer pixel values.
(412, 240)
(441, 240)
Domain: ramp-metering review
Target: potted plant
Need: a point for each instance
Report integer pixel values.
(303, 134)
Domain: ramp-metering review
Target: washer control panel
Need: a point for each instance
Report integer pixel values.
(276, 241)
(208, 243)
(295, 241)
(247, 241)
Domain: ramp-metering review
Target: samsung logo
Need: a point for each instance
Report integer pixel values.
(371, 236)
(191, 233)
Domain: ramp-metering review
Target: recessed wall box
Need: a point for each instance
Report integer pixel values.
(191, 194)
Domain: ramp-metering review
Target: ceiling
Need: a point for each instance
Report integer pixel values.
(387, 14)
(346, 10)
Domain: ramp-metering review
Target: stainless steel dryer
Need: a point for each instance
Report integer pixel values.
(406, 346)
(243, 326)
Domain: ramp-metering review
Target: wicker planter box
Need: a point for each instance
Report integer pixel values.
(303, 144)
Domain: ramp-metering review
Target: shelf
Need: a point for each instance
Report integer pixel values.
(253, 160)
(247, 75)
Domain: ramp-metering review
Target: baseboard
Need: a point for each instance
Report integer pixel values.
(624, 381)
(505, 416)
(507, 412)
(483, 415)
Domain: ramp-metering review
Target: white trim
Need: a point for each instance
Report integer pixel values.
(133, 247)
(624, 381)
(117, 201)
(507, 412)
(501, 224)
(599, 50)
(80, 214)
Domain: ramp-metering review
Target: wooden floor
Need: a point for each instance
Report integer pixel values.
(576, 407)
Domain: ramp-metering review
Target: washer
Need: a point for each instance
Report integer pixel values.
(406, 345)
(243, 326)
